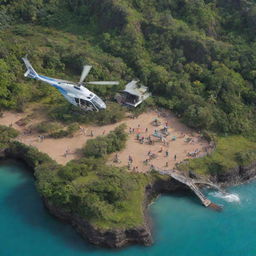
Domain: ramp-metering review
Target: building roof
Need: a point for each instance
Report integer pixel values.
(132, 88)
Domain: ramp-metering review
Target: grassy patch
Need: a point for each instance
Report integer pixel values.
(225, 157)
(129, 212)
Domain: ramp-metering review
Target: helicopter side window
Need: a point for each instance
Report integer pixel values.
(85, 103)
(77, 100)
(76, 87)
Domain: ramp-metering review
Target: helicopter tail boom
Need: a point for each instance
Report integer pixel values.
(31, 73)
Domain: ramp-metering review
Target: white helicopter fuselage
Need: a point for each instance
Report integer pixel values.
(76, 94)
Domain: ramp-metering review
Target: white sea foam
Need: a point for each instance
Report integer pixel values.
(227, 197)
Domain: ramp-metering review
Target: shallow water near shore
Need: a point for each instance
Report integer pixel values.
(181, 225)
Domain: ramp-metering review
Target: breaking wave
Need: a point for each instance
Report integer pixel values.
(226, 196)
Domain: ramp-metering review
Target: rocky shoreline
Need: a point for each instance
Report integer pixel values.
(236, 176)
(117, 238)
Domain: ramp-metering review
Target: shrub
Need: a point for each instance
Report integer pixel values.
(69, 131)
(6, 134)
(72, 128)
(68, 114)
(102, 145)
(246, 157)
(59, 134)
(47, 127)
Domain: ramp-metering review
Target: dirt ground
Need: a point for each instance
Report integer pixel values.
(161, 154)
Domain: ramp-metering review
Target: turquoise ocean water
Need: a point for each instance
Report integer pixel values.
(182, 226)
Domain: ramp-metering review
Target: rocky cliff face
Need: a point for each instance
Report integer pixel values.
(237, 175)
(117, 238)
(113, 238)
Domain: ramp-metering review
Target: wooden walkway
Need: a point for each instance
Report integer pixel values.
(191, 183)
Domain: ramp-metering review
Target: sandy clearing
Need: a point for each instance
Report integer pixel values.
(56, 148)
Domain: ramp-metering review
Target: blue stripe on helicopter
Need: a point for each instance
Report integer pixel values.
(59, 88)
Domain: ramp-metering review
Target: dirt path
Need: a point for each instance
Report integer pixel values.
(56, 148)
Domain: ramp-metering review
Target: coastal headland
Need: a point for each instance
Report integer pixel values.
(60, 185)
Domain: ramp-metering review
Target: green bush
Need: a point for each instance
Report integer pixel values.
(69, 114)
(47, 127)
(68, 132)
(59, 134)
(246, 157)
(6, 134)
(72, 128)
(103, 145)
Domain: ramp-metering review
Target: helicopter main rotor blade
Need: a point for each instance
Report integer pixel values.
(85, 72)
(104, 83)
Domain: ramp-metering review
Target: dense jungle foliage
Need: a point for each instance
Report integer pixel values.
(198, 57)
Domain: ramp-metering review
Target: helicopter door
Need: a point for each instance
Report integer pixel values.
(77, 101)
(86, 105)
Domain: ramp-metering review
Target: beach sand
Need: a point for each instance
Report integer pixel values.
(56, 148)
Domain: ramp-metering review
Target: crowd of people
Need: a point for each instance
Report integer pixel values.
(144, 137)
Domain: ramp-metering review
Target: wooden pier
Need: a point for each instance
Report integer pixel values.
(191, 183)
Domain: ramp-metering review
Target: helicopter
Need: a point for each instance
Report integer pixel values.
(75, 93)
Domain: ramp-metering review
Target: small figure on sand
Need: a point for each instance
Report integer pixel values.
(82, 131)
(116, 159)
(146, 162)
(66, 152)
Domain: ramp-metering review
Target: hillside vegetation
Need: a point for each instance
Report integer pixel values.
(198, 57)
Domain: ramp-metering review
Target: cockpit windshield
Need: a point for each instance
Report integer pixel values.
(98, 102)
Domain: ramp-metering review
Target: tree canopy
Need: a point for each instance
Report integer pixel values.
(197, 57)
